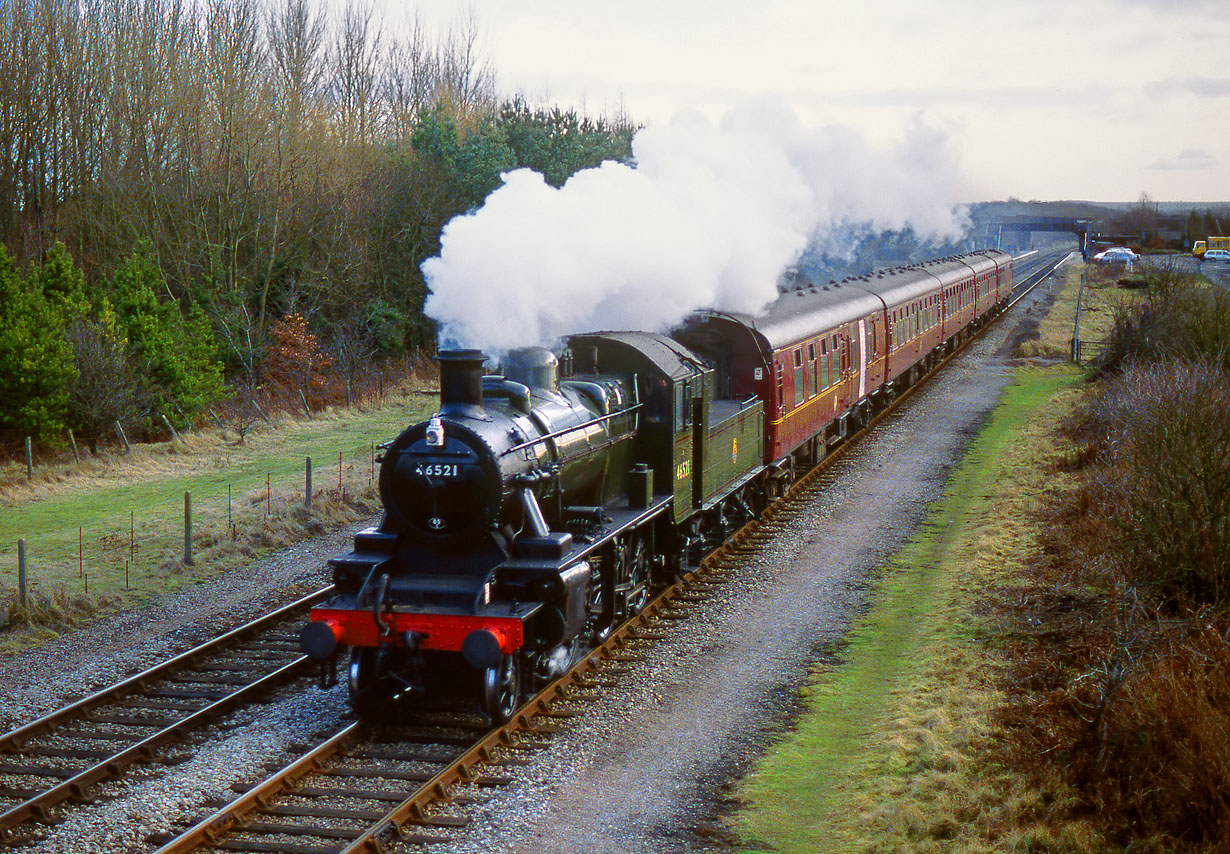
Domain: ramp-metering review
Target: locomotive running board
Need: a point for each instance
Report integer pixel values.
(621, 520)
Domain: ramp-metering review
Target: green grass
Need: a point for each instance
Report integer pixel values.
(83, 524)
(883, 759)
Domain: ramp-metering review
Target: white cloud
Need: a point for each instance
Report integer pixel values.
(1187, 161)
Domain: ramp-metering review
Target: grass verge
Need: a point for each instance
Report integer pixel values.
(886, 757)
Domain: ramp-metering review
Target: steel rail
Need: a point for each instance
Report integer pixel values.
(38, 806)
(12, 740)
(210, 829)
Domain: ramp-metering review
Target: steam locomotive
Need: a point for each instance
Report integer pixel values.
(541, 505)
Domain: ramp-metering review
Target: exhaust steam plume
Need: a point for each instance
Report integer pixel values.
(709, 217)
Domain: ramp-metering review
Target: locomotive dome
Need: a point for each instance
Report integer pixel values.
(534, 367)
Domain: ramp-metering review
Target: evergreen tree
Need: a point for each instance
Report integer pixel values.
(175, 357)
(61, 284)
(559, 143)
(36, 361)
(472, 158)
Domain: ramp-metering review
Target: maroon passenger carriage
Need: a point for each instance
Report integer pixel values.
(823, 358)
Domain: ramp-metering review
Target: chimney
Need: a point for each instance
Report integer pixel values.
(461, 382)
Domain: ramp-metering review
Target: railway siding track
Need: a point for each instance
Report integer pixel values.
(305, 801)
(63, 755)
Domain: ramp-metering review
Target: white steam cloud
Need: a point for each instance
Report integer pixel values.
(709, 217)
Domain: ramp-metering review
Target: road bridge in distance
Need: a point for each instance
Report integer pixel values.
(999, 229)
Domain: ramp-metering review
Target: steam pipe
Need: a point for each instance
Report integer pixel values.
(533, 513)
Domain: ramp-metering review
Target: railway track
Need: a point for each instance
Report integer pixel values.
(63, 755)
(361, 767)
(348, 793)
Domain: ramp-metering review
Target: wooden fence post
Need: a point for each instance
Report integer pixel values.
(119, 428)
(307, 491)
(188, 528)
(170, 427)
(21, 574)
(29, 460)
(72, 440)
(303, 399)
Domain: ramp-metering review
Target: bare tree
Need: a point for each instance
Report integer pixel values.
(296, 36)
(101, 394)
(467, 79)
(410, 81)
(356, 57)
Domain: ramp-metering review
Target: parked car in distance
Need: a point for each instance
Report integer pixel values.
(1221, 256)
(1117, 255)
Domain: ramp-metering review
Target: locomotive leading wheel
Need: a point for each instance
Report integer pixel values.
(370, 687)
(502, 689)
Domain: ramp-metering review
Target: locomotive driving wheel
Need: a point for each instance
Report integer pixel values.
(638, 577)
(598, 616)
(501, 692)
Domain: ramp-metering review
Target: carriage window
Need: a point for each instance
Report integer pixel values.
(811, 370)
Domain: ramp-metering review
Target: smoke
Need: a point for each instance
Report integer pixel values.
(709, 217)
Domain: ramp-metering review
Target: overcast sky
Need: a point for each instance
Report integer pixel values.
(1046, 99)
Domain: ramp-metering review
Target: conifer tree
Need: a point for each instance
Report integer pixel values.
(174, 357)
(36, 361)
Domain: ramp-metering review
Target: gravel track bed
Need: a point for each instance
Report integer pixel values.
(150, 797)
(644, 769)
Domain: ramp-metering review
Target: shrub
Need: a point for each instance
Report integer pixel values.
(1164, 478)
(1177, 319)
(295, 359)
(1160, 759)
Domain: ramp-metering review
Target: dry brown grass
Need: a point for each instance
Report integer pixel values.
(1102, 297)
(46, 613)
(1117, 662)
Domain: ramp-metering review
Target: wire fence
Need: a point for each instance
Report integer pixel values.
(141, 519)
(147, 536)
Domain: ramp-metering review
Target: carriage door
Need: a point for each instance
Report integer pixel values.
(847, 367)
(860, 347)
(682, 459)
